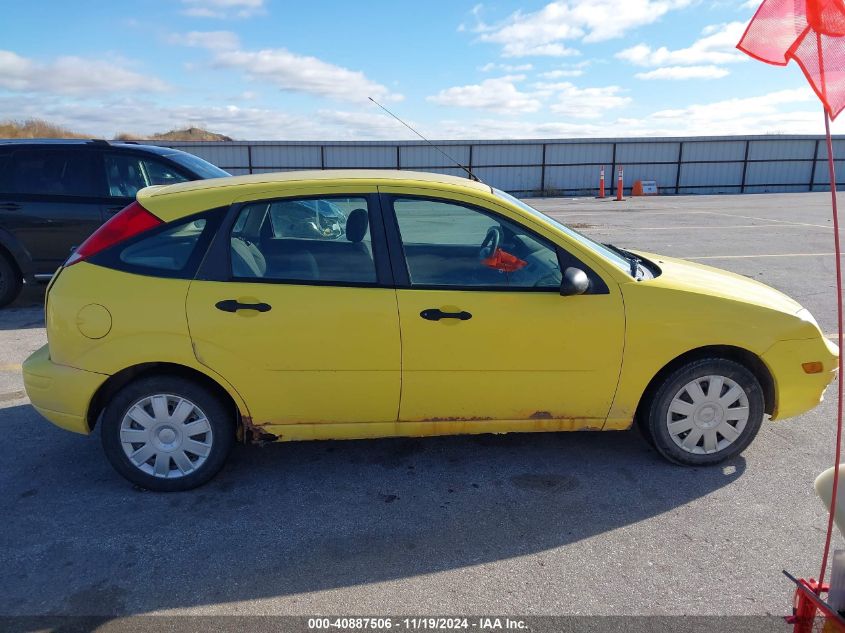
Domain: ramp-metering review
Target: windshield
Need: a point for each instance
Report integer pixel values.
(600, 249)
(200, 167)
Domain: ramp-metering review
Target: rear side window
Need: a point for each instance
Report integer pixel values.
(53, 172)
(172, 250)
(168, 250)
(126, 174)
(320, 240)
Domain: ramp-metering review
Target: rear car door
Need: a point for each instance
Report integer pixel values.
(486, 335)
(294, 307)
(51, 200)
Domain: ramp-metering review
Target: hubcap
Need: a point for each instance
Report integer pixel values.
(166, 436)
(707, 414)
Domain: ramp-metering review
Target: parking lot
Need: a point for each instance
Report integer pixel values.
(587, 523)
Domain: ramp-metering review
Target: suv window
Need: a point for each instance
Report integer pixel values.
(323, 240)
(52, 172)
(449, 244)
(126, 174)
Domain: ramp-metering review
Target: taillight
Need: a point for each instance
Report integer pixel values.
(129, 222)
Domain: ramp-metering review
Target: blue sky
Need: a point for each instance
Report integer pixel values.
(274, 69)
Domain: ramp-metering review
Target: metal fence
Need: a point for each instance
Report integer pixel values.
(692, 165)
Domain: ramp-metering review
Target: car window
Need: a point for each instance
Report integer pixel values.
(320, 240)
(52, 171)
(200, 167)
(5, 174)
(126, 174)
(168, 250)
(449, 244)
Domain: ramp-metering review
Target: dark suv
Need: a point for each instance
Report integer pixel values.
(53, 194)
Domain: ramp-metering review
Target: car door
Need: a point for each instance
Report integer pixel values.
(295, 308)
(50, 201)
(486, 334)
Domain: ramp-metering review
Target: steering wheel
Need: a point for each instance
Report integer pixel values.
(491, 242)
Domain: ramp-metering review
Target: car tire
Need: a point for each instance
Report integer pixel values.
(704, 412)
(10, 281)
(167, 433)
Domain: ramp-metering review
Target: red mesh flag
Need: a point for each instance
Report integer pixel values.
(812, 32)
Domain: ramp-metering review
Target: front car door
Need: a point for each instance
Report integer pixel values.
(486, 335)
(295, 308)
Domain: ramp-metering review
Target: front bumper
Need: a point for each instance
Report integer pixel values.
(796, 391)
(61, 394)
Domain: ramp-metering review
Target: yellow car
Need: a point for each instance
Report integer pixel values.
(361, 304)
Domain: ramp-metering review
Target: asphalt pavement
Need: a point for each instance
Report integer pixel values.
(545, 524)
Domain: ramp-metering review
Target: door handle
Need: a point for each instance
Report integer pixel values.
(233, 305)
(9, 206)
(433, 314)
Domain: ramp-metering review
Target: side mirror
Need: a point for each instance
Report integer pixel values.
(574, 282)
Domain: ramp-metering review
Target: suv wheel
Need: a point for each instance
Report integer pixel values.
(10, 281)
(704, 412)
(167, 433)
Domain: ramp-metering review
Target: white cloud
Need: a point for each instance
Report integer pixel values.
(212, 40)
(71, 76)
(542, 32)
(784, 111)
(685, 72)
(508, 68)
(562, 72)
(137, 116)
(498, 94)
(222, 9)
(300, 73)
(585, 103)
(716, 46)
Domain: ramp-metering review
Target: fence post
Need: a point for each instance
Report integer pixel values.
(398, 159)
(543, 172)
(744, 166)
(249, 157)
(813, 171)
(678, 171)
(613, 165)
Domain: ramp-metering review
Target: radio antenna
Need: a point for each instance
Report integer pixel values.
(466, 169)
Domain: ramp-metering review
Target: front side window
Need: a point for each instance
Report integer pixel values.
(448, 244)
(600, 249)
(323, 240)
(127, 174)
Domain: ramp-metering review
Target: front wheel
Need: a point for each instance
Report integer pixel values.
(704, 412)
(167, 433)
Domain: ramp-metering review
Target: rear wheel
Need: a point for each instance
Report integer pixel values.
(705, 412)
(10, 280)
(167, 433)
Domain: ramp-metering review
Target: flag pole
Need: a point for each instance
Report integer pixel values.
(832, 173)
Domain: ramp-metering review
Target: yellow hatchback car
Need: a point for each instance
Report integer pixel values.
(361, 304)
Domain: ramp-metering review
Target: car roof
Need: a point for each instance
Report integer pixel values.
(81, 142)
(282, 178)
(170, 202)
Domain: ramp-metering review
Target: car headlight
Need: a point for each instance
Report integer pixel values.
(805, 315)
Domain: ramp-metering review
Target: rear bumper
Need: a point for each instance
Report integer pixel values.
(796, 391)
(59, 393)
